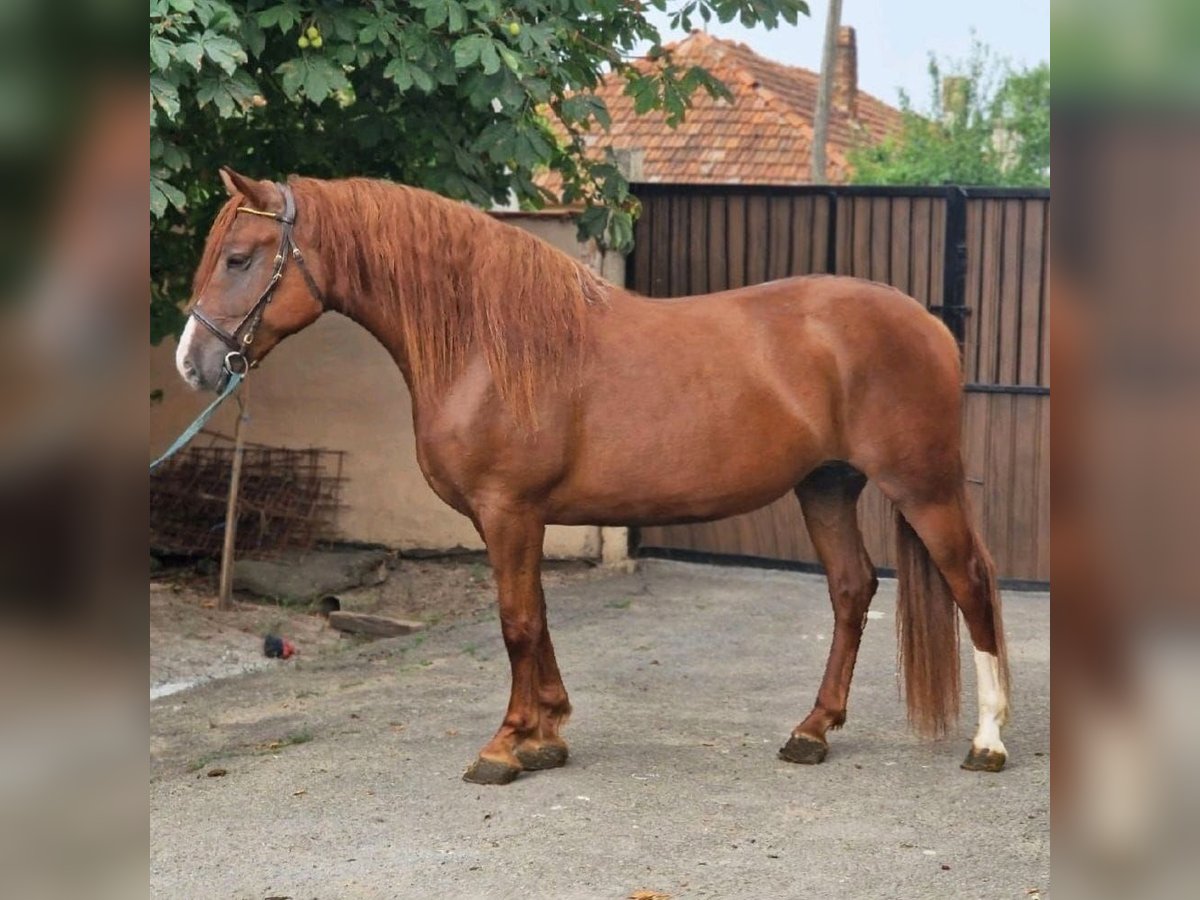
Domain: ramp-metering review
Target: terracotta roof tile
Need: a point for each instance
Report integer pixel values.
(764, 136)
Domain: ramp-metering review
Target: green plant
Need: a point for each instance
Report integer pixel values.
(303, 736)
(985, 123)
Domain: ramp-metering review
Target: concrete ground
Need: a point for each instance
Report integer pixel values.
(342, 773)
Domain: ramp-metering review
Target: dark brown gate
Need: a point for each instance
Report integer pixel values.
(975, 256)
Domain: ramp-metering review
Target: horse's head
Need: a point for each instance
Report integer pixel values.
(252, 288)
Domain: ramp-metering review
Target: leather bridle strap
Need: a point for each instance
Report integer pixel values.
(240, 339)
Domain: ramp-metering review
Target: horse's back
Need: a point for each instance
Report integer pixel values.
(865, 327)
(720, 403)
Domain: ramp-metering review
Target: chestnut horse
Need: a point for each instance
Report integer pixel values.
(542, 394)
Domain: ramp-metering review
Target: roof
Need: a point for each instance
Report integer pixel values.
(763, 137)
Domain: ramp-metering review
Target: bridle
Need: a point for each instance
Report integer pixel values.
(239, 340)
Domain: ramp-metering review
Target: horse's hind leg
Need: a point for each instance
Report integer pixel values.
(958, 553)
(829, 498)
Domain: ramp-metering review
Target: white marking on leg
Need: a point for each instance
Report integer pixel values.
(993, 705)
(186, 372)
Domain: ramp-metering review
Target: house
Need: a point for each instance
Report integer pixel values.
(764, 136)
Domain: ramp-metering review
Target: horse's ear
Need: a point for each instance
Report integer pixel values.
(260, 194)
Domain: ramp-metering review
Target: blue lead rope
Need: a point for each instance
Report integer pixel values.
(192, 430)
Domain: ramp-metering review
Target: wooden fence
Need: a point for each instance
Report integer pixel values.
(976, 257)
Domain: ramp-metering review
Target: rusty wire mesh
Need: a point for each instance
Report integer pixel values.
(288, 500)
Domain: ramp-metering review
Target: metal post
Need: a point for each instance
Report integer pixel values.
(225, 591)
(831, 234)
(954, 310)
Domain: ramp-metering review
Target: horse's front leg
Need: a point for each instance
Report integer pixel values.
(528, 736)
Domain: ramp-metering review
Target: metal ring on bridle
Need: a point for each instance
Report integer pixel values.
(243, 364)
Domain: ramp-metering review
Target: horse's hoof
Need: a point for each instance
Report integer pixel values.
(984, 760)
(801, 748)
(542, 756)
(490, 771)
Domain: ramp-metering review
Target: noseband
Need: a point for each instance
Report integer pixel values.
(239, 340)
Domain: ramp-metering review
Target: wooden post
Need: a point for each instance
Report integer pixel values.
(225, 591)
(825, 92)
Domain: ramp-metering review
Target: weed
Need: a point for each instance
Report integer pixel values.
(201, 761)
(303, 736)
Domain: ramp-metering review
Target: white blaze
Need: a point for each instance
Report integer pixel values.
(993, 705)
(181, 354)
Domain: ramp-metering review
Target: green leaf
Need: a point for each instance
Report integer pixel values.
(488, 57)
(162, 194)
(225, 52)
(579, 108)
(422, 79)
(285, 16)
(321, 79)
(291, 77)
(645, 93)
(541, 146)
(314, 76)
(592, 221)
(436, 13)
(160, 52)
(221, 18)
(467, 49)
(172, 156)
(369, 33)
(457, 16)
(510, 59)
(620, 230)
(254, 37)
(399, 72)
(230, 95)
(600, 112)
(498, 142)
(191, 53)
(165, 95)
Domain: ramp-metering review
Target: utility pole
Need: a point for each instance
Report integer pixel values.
(833, 21)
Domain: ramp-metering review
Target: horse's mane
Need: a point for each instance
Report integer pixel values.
(451, 279)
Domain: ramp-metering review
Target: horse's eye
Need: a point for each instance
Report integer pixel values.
(237, 262)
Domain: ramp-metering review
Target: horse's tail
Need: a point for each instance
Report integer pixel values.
(927, 635)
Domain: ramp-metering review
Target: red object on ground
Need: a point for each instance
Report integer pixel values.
(278, 647)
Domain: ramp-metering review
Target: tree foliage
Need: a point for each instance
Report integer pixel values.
(452, 95)
(986, 123)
